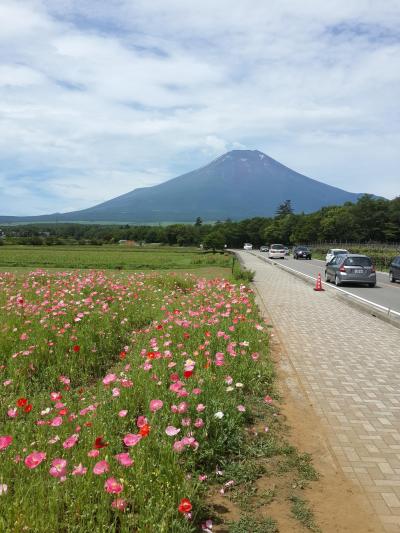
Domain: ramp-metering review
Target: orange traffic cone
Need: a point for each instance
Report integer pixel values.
(318, 285)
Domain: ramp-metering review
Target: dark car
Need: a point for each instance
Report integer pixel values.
(351, 268)
(264, 248)
(301, 252)
(394, 270)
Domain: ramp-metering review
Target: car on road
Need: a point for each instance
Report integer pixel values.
(394, 270)
(301, 252)
(351, 268)
(264, 248)
(334, 252)
(247, 246)
(276, 251)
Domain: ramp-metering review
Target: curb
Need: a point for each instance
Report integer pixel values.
(371, 308)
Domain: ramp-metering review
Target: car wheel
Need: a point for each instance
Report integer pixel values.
(391, 277)
(371, 285)
(337, 281)
(327, 277)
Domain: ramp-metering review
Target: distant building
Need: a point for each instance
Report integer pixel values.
(125, 242)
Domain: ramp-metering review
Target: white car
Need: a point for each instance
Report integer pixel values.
(247, 246)
(333, 252)
(276, 251)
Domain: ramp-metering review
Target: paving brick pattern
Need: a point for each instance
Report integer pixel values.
(349, 364)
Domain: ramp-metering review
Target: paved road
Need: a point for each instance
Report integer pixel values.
(348, 362)
(385, 293)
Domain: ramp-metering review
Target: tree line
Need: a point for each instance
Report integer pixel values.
(370, 219)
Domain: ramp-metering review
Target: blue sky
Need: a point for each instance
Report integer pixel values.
(100, 97)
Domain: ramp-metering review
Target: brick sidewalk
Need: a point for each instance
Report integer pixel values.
(349, 364)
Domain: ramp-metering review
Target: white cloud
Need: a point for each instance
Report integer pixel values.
(97, 98)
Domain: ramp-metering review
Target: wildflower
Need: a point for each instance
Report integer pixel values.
(155, 405)
(109, 378)
(268, 399)
(79, 470)
(34, 459)
(5, 442)
(101, 467)
(219, 415)
(241, 408)
(3, 489)
(116, 392)
(70, 441)
(141, 421)
(200, 407)
(124, 459)
(198, 423)
(120, 504)
(123, 413)
(93, 453)
(113, 486)
(76, 348)
(171, 431)
(131, 439)
(144, 430)
(185, 506)
(58, 468)
(57, 421)
(99, 443)
(12, 413)
(21, 402)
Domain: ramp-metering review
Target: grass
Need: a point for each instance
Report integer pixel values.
(249, 524)
(156, 337)
(113, 257)
(303, 514)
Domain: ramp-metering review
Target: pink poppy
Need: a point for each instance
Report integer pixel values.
(268, 399)
(200, 408)
(124, 459)
(79, 470)
(101, 467)
(241, 408)
(93, 453)
(70, 441)
(123, 413)
(5, 442)
(182, 408)
(34, 459)
(131, 439)
(57, 421)
(58, 468)
(199, 423)
(109, 378)
(113, 486)
(116, 392)
(141, 421)
(171, 431)
(155, 405)
(12, 413)
(120, 504)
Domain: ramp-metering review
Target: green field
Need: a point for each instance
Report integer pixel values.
(110, 257)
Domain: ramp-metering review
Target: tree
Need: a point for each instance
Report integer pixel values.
(214, 241)
(284, 209)
(199, 222)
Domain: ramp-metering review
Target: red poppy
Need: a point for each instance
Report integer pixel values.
(151, 355)
(122, 355)
(87, 424)
(28, 408)
(186, 336)
(144, 430)
(63, 412)
(76, 348)
(159, 326)
(188, 373)
(185, 506)
(99, 443)
(21, 402)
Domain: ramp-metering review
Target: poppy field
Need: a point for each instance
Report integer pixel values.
(121, 396)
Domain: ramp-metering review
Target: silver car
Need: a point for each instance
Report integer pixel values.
(351, 268)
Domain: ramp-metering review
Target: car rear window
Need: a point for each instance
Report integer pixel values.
(277, 247)
(358, 261)
(340, 252)
(303, 248)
